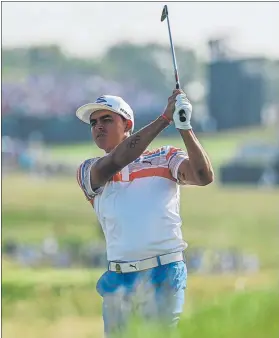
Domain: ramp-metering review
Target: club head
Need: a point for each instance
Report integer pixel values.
(164, 13)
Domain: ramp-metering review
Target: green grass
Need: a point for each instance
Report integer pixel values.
(48, 303)
(238, 315)
(248, 314)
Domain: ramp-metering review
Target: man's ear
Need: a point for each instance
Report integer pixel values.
(128, 125)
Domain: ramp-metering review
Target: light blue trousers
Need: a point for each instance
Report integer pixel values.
(154, 294)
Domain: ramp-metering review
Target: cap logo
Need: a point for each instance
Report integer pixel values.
(103, 101)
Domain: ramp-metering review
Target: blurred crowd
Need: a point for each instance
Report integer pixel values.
(32, 157)
(51, 253)
(61, 94)
(93, 255)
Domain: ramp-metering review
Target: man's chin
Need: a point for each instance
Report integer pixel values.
(101, 143)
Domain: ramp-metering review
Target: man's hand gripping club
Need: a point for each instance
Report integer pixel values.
(177, 102)
(182, 104)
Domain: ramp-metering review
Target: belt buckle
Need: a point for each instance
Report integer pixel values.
(117, 268)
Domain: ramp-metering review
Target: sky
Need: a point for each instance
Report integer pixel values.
(87, 29)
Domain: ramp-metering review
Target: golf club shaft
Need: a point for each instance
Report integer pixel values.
(173, 57)
(164, 15)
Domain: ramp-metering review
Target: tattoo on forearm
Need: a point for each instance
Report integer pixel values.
(134, 142)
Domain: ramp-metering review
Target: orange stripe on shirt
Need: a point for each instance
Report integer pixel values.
(117, 177)
(150, 172)
(151, 152)
(171, 152)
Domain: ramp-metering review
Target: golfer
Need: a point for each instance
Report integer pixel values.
(135, 195)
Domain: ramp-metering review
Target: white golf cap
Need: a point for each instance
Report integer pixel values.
(108, 102)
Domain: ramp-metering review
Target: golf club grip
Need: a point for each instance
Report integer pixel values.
(181, 113)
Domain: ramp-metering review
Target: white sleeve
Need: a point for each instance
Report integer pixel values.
(175, 157)
(83, 178)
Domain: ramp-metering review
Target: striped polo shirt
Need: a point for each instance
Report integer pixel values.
(138, 208)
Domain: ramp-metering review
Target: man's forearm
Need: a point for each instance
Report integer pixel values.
(198, 158)
(133, 146)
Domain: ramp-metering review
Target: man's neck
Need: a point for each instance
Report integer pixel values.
(107, 151)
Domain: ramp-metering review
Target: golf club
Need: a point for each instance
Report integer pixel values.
(165, 14)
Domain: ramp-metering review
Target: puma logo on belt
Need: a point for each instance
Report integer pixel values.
(133, 266)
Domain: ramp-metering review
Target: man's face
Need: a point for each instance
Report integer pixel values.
(108, 129)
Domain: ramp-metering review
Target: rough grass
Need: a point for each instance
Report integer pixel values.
(44, 303)
(246, 314)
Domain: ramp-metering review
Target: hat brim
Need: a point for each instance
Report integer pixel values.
(84, 112)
